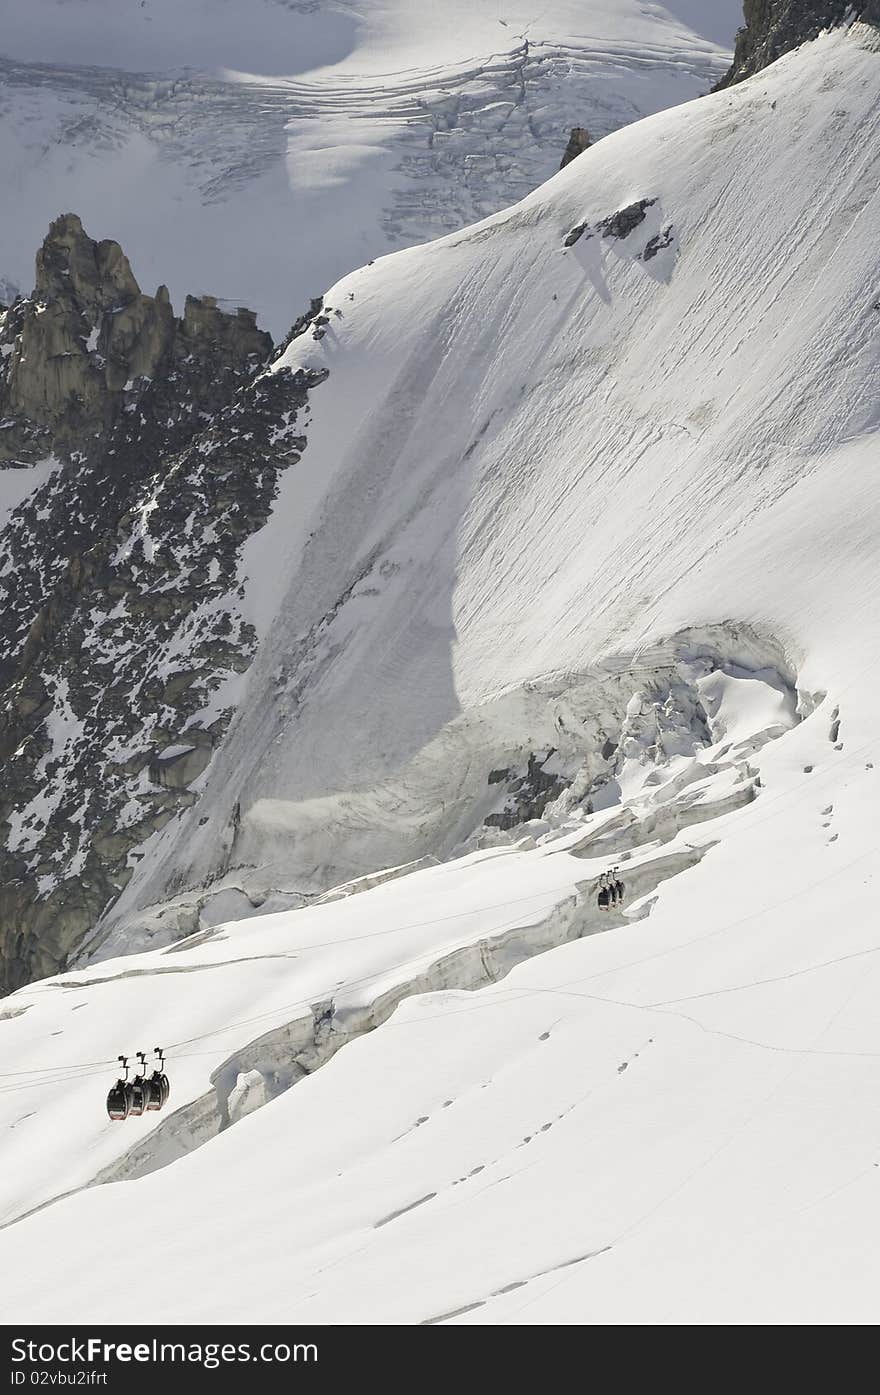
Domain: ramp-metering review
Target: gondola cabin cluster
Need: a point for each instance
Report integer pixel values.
(146, 1093)
(611, 890)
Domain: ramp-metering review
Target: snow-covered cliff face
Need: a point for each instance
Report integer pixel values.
(546, 444)
(102, 388)
(259, 151)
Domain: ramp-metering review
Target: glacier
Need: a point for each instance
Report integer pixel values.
(608, 453)
(258, 152)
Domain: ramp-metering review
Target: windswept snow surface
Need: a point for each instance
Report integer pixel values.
(257, 149)
(529, 458)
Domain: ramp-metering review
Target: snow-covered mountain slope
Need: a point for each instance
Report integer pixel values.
(518, 1087)
(543, 443)
(597, 474)
(257, 151)
(305, 983)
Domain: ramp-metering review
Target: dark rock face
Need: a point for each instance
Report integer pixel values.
(119, 623)
(658, 243)
(578, 142)
(626, 220)
(617, 225)
(774, 27)
(528, 794)
(87, 340)
(575, 234)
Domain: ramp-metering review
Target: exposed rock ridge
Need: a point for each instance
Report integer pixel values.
(87, 343)
(774, 27)
(119, 573)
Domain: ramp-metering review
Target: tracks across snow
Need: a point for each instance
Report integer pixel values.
(316, 980)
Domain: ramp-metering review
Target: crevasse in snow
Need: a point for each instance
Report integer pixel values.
(258, 151)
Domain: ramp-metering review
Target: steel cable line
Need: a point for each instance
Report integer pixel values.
(60, 1074)
(564, 989)
(571, 887)
(568, 885)
(763, 804)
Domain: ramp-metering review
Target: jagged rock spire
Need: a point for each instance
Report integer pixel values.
(578, 142)
(88, 334)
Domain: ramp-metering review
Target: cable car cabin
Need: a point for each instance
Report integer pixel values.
(119, 1100)
(144, 1093)
(611, 890)
(139, 1089)
(121, 1096)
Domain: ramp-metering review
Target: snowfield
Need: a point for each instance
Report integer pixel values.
(597, 471)
(669, 1121)
(257, 150)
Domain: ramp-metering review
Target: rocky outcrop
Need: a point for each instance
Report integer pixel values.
(774, 27)
(119, 617)
(616, 226)
(528, 792)
(88, 338)
(578, 142)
